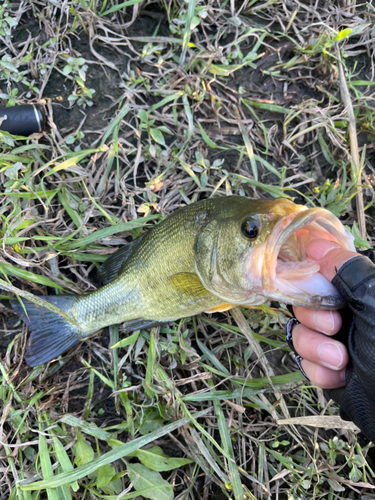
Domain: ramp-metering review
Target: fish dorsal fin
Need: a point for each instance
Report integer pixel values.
(112, 267)
(188, 285)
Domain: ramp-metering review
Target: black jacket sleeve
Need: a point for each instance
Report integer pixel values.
(355, 280)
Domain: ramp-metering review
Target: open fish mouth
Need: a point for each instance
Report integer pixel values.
(287, 273)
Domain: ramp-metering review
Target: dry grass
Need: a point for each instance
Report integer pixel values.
(191, 100)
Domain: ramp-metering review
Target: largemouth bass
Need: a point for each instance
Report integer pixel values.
(209, 256)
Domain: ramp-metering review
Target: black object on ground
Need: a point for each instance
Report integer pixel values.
(23, 120)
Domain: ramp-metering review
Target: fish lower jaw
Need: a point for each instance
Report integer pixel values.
(313, 291)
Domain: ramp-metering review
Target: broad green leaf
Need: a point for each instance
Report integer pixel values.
(155, 459)
(157, 136)
(83, 451)
(143, 116)
(114, 487)
(335, 486)
(343, 34)
(148, 478)
(11, 172)
(355, 474)
(67, 69)
(105, 474)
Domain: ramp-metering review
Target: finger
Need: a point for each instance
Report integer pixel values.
(323, 377)
(319, 349)
(330, 256)
(328, 322)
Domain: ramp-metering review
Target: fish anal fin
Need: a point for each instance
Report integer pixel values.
(112, 267)
(226, 307)
(138, 324)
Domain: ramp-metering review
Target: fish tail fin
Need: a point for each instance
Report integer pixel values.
(51, 333)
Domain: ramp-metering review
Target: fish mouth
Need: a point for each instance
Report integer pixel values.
(288, 275)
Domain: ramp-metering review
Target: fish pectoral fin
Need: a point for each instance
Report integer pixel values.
(188, 285)
(112, 266)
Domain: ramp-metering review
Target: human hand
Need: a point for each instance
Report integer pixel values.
(324, 359)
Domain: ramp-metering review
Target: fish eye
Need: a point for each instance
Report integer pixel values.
(250, 228)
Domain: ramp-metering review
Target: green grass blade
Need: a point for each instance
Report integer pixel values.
(212, 358)
(110, 456)
(132, 339)
(64, 460)
(122, 227)
(151, 364)
(226, 443)
(45, 464)
(187, 30)
(7, 269)
(120, 6)
(35, 300)
(86, 427)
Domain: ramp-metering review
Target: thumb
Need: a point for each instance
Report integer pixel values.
(329, 255)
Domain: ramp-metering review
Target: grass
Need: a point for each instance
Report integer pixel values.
(151, 106)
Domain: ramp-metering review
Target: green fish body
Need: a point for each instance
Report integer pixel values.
(209, 256)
